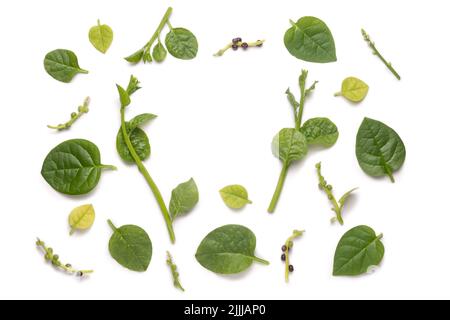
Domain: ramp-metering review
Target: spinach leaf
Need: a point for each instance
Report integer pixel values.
(182, 44)
(159, 52)
(73, 167)
(309, 39)
(353, 89)
(320, 131)
(379, 149)
(184, 198)
(81, 218)
(101, 37)
(289, 145)
(227, 250)
(358, 250)
(62, 65)
(131, 247)
(235, 196)
(135, 57)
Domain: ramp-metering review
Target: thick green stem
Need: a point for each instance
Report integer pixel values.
(164, 21)
(279, 187)
(147, 177)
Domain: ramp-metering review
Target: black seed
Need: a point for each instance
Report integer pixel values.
(283, 248)
(244, 45)
(236, 40)
(80, 274)
(234, 46)
(283, 257)
(291, 268)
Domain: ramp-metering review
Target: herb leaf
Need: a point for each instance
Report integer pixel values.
(182, 44)
(131, 247)
(141, 120)
(235, 196)
(81, 218)
(184, 198)
(229, 249)
(62, 65)
(320, 131)
(289, 145)
(159, 52)
(309, 39)
(353, 89)
(379, 149)
(101, 37)
(358, 250)
(138, 139)
(73, 167)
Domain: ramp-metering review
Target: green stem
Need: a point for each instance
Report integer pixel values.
(111, 225)
(257, 43)
(147, 176)
(84, 108)
(279, 187)
(108, 167)
(338, 94)
(265, 262)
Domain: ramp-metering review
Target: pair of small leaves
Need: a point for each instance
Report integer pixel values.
(235, 196)
(184, 198)
(353, 89)
(138, 138)
(229, 249)
(81, 218)
(358, 250)
(73, 167)
(131, 247)
(62, 65)
(101, 37)
(310, 39)
(379, 149)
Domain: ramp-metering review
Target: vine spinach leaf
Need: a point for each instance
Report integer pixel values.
(229, 249)
(184, 198)
(379, 149)
(159, 52)
(131, 247)
(62, 65)
(101, 37)
(235, 196)
(73, 167)
(320, 131)
(182, 44)
(353, 89)
(289, 145)
(358, 250)
(309, 39)
(81, 218)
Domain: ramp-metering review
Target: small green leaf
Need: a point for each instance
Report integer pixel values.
(135, 57)
(62, 65)
(182, 44)
(320, 131)
(235, 196)
(345, 196)
(292, 100)
(379, 149)
(131, 247)
(184, 198)
(138, 139)
(289, 145)
(73, 167)
(159, 52)
(228, 250)
(309, 39)
(353, 89)
(141, 120)
(81, 218)
(358, 250)
(101, 37)
(124, 96)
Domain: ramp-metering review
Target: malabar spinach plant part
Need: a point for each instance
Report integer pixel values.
(286, 249)
(62, 65)
(291, 144)
(74, 116)
(237, 43)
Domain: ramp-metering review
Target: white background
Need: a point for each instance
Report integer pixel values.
(217, 117)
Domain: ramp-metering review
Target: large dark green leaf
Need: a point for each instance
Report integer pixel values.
(73, 167)
(320, 131)
(62, 65)
(379, 149)
(228, 249)
(310, 39)
(182, 44)
(358, 250)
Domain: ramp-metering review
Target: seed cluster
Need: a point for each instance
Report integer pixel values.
(285, 249)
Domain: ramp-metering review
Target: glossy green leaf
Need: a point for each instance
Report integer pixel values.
(309, 39)
(73, 167)
(184, 198)
(124, 96)
(138, 139)
(227, 250)
(379, 149)
(159, 52)
(358, 250)
(101, 37)
(235, 196)
(62, 65)
(353, 89)
(135, 57)
(141, 120)
(289, 145)
(81, 218)
(320, 131)
(131, 247)
(182, 44)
